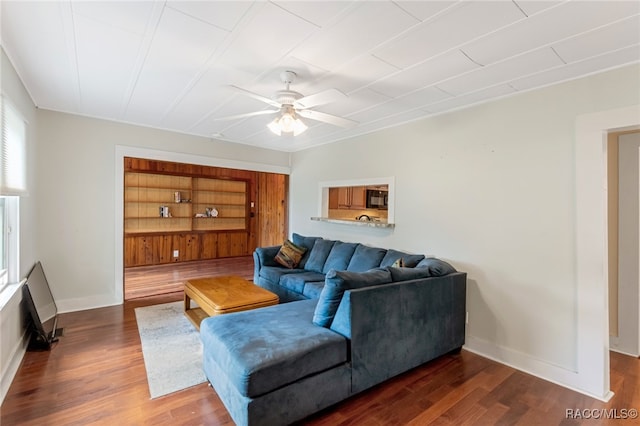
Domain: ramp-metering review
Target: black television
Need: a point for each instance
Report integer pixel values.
(42, 309)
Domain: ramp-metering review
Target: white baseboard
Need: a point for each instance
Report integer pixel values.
(84, 303)
(620, 351)
(520, 361)
(17, 354)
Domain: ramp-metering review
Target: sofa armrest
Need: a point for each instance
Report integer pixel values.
(398, 326)
(264, 256)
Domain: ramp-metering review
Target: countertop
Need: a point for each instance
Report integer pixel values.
(371, 224)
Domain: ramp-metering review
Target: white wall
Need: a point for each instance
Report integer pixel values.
(628, 241)
(12, 329)
(493, 190)
(77, 178)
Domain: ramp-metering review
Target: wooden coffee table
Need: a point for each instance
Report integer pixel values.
(221, 295)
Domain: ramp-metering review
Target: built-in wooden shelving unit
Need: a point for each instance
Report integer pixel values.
(246, 209)
(186, 200)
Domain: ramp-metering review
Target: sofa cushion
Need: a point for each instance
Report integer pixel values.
(336, 283)
(296, 282)
(436, 267)
(259, 357)
(365, 258)
(339, 256)
(273, 273)
(290, 254)
(306, 242)
(313, 289)
(318, 256)
(408, 260)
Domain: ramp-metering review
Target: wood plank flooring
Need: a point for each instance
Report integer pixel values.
(143, 281)
(95, 375)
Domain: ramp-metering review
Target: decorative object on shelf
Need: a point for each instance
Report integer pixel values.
(164, 211)
(177, 197)
(211, 212)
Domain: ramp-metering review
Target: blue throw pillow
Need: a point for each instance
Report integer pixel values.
(336, 283)
(318, 256)
(365, 258)
(436, 267)
(408, 260)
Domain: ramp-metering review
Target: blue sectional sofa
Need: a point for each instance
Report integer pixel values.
(307, 280)
(343, 330)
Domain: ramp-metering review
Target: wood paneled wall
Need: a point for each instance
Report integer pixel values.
(267, 198)
(272, 203)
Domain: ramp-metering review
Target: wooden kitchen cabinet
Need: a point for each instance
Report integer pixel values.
(358, 197)
(348, 197)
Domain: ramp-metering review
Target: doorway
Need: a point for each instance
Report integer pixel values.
(227, 245)
(592, 317)
(623, 182)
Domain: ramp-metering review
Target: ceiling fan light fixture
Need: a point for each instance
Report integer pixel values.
(287, 122)
(274, 126)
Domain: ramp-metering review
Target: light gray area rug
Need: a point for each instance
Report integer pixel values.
(171, 348)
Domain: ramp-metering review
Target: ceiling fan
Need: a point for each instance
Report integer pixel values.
(292, 105)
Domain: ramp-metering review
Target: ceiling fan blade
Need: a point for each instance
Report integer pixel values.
(327, 118)
(256, 96)
(247, 114)
(320, 98)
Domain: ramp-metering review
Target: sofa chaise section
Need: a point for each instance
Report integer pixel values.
(272, 366)
(277, 365)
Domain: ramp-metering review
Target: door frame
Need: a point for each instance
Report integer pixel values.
(592, 375)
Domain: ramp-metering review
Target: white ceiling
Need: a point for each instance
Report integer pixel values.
(169, 64)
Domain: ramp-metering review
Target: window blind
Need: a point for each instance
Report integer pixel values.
(13, 152)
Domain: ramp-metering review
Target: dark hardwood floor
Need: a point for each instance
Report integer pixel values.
(95, 375)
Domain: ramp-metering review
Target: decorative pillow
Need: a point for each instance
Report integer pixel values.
(290, 254)
(336, 283)
(436, 267)
(406, 274)
(409, 260)
(399, 263)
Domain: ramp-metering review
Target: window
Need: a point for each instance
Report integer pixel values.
(13, 152)
(3, 244)
(13, 178)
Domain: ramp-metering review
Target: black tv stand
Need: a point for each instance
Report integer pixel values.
(38, 342)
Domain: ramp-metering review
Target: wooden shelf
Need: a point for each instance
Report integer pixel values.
(145, 193)
(196, 315)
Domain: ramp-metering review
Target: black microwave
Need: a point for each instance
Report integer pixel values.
(377, 199)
